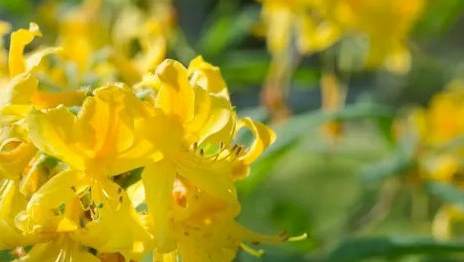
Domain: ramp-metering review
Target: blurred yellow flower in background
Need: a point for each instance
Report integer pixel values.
(385, 24)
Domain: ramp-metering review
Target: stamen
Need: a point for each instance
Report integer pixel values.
(252, 251)
(238, 151)
(298, 238)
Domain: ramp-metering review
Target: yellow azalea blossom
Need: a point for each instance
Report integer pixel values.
(85, 142)
(386, 25)
(439, 126)
(79, 34)
(318, 24)
(83, 208)
(106, 138)
(151, 30)
(292, 28)
(306, 20)
(200, 150)
(22, 88)
(442, 121)
(204, 227)
(438, 130)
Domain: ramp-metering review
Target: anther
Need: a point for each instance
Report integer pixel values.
(238, 151)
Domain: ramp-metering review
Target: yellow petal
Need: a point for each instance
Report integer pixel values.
(208, 77)
(43, 99)
(19, 40)
(53, 132)
(13, 162)
(158, 179)
(213, 116)
(314, 36)
(34, 59)
(116, 226)
(119, 142)
(279, 21)
(62, 249)
(18, 91)
(11, 202)
(264, 137)
(55, 206)
(175, 95)
(213, 179)
(108, 136)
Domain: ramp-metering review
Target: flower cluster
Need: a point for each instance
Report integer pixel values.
(315, 25)
(436, 133)
(118, 170)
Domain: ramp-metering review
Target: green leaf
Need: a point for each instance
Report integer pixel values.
(398, 163)
(390, 247)
(297, 126)
(227, 30)
(245, 68)
(446, 192)
(5, 255)
(439, 16)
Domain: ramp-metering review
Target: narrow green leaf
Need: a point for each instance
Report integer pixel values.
(446, 192)
(391, 247)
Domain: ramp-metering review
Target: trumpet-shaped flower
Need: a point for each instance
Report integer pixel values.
(105, 139)
(201, 150)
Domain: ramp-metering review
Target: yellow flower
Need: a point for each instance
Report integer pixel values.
(84, 208)
(386, 25)
(204, 227)
(81, 34)
(151, 30)
(199, 150)
(21, 90)
(443, 121)
(316, 25)
(105, 139)
(305, 20)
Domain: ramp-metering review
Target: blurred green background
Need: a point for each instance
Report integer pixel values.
(351, 197)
